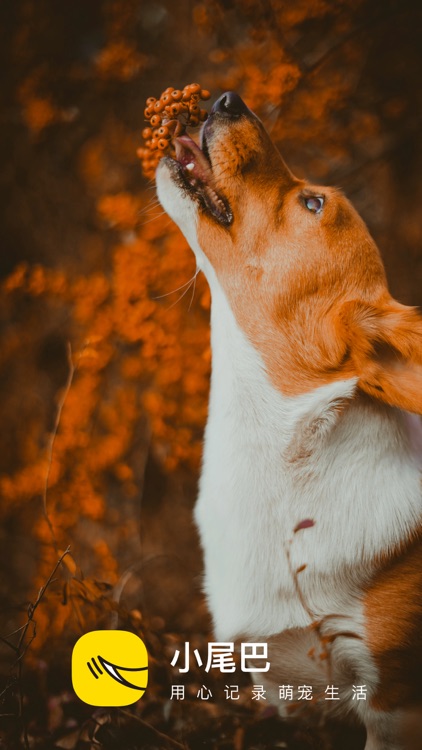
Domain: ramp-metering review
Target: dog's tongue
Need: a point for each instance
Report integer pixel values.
(193, 161)
(197, 173)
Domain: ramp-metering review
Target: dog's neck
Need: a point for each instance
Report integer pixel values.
(340, 461)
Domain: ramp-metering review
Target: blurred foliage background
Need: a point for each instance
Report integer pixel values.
(104, 367)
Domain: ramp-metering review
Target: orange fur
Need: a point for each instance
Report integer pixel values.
(318, 309)
(307, 287)
(393, 610)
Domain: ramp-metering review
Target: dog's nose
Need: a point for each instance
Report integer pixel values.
(230, 104)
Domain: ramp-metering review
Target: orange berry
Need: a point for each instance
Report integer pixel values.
(168, 118)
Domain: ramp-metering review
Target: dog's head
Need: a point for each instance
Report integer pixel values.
(301, 273)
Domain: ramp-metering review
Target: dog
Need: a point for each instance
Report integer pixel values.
(310, 501)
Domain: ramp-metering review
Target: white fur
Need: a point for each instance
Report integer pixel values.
(359, 483)
(359, 487)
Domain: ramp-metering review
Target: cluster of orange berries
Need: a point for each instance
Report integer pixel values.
(168, 117)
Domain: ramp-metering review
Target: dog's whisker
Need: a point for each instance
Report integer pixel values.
(152, 201)
(192, 281)
(148, 208)
(295, 367)
(223, 167)
(154, 217)
(182, 286)
(193, 290)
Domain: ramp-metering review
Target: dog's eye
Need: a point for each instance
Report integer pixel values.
(314, 203)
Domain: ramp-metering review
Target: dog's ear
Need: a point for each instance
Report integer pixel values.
(385, 346)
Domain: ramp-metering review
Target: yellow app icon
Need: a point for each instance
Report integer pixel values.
(109, 668)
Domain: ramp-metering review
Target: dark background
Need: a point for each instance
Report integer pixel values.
(104, 371)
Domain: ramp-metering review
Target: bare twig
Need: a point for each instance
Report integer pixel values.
(23, 645)
(32, 607)
(50, 447)
(316, 624)
(7, 643)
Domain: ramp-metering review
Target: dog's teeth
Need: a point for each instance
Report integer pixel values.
(190, 166)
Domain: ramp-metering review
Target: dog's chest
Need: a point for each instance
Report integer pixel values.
(252, 497)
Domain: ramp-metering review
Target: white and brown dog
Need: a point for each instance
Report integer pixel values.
(315, 391)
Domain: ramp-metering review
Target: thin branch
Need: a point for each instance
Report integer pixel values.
(51, 442)
(50, 448)
(32, 607)
(316, 624)
(22, 646)
(7, 643)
